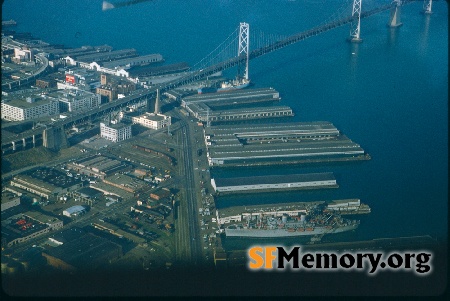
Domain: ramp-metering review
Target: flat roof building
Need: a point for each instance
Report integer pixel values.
(27, 106)
(28, 225)
(75, 211)
(107, 56)
(86, 252)
(279, 143)
(46, 182)
(274, 182)
(115, 132)
(98, 165)
(125, 182)
(134, 61)
(152, 121)
(9, 200)
(71, 100)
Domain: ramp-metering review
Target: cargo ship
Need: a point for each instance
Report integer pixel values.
(309, 222)
(234, 85)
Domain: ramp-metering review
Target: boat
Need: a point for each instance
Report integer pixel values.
(234, 85)
(314, 222)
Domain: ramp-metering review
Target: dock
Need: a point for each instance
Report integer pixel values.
(237, 213)
(279, 143)
(237, 105)
(274, 182)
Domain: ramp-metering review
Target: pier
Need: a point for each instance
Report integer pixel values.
(279, 143)
(274, 183)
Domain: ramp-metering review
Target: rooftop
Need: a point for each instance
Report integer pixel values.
(71, 94)
(23, 104)
(273, 179)
(124, 62)
(75, 209)
(153, 116)
(116, 126)
(87, 251)
(8, 196)
(41, 217)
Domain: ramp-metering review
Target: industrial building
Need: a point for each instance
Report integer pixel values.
(279, 143)
(107, 56)
(147, 71)
(152, 120)
(75, 211)
(134, 61)
(23, 227)
(274, 182)
(204, 113)
(46, 182)
(115, 132)
(9, 200)
(66, 235)
(99, 166)
(86, 252)
(236, 105)
(232, 98)
(125, 182)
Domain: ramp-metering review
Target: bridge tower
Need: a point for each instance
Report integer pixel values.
(394, 20)
(427, 6)
(356, 22)
(244, 39)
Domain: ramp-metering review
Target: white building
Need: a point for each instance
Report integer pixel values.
(71, 100)
(23, 55)
(115, 132)
(30, 108)
(74, 211)
(9, 200)
(152, 120)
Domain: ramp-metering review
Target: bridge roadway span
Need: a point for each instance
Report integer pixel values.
(139, 95)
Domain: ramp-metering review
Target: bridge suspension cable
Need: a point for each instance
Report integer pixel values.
(220, 53)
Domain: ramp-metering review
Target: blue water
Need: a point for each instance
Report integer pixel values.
(390, 96)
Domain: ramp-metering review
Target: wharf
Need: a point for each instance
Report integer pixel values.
(249, 96)
(279, 143)
(204, 113)
(238, 258)
(274, 182)
(293, 208)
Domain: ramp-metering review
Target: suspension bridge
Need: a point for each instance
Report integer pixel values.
(53, 135)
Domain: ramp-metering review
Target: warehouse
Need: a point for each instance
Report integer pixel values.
(9, 200)
(22, 227)
(274, 182)
(46, 182)
(75, 211)
(279, 143)
(87, 252)
(97, 165)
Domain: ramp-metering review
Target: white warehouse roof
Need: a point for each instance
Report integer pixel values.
(74, 210)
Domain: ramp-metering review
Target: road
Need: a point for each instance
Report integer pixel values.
(188, 237)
